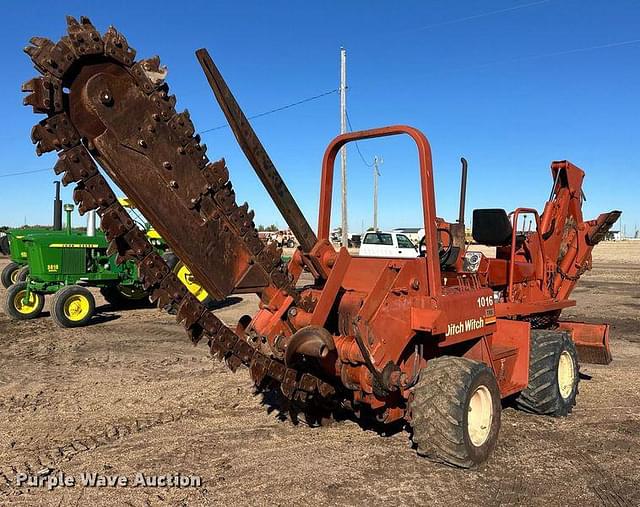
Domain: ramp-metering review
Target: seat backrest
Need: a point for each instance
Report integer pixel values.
(491, 227)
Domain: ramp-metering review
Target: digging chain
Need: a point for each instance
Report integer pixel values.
(214, 200)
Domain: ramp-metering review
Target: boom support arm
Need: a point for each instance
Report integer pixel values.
(256, 154)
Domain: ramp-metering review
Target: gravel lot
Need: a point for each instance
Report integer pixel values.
(129, 394)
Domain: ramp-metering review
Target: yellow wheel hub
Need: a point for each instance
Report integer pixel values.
(186, 277)
(480, 416)
(14, 276)
(566, 374)
(26, 306)
(76, 307)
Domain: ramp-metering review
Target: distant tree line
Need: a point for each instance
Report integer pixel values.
(268, 228)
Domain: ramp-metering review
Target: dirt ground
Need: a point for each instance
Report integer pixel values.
(129, 394)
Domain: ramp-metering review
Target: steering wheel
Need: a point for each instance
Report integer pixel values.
(443, 252)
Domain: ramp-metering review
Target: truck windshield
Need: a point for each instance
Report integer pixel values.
(378, 238)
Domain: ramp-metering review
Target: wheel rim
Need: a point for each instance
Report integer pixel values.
(186, 277)
(14, 276)
(566, 374)
(76, 307)
(480, 416)
(26, 307)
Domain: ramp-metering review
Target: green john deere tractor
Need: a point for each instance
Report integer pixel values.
(64, 264)
(13, 241)
(18, 269)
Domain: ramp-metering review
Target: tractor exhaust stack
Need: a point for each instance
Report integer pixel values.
(57, 209)
(463, 190)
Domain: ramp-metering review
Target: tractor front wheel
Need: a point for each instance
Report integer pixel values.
(73, 306)
(553, 374)
(20, 307)
(9, 274)
(455, 411)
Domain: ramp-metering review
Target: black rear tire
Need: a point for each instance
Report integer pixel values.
(554, 374)
(4, 244)
(119, 300)
(63, 312)
(440, 410)
(171, 259)
(8, 275)
(14, 307)
(22, 274)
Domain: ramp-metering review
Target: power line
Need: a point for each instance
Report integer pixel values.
(358, 146)
(556, 53)
(277, 109)
(481, 15)
(226, 125)
(24, 172)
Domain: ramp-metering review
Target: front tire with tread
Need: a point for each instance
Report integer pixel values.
(15, 307)
(64, 314)
(440, 411)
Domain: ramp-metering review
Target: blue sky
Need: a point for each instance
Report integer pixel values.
(510, 85)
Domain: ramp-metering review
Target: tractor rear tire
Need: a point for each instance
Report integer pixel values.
(119, 299)
(554, 374)
(4, 244)
(22, 274)
(72, 306)
(15, 306)
(455, 411)
(9, 274)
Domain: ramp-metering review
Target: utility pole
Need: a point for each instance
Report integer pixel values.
(343, 150)
(376, 173)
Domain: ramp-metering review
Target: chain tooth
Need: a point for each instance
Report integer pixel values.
(117, 47)
(149, 75)
(233, 362)
(288, 385)
(115, 221)
(84, 38)
(216, 174)
(196, 152)
(164, 103)
(54, 133)
(93, 193)
(45, 94)
(189, 311)
(39, 51)
(152, 270)
(76, 164)
(182, 126)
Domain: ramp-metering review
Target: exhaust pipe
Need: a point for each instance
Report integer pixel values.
(311, 341)
(91, 223)
(57, 209)
(463, 190)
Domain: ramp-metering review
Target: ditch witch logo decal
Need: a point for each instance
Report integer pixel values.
(465, 326)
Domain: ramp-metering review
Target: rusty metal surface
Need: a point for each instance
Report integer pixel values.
(257, 155)
(125, 117)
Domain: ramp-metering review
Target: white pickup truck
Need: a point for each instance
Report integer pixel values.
(387, 244)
